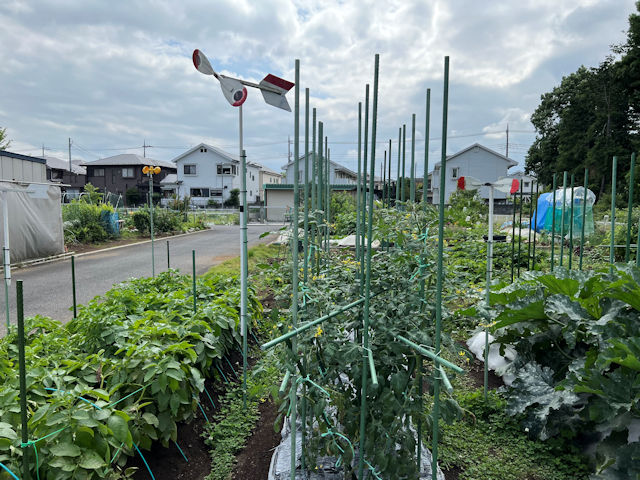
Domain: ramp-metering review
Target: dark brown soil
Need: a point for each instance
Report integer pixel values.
(253, 461)
(476, 374)
(453, 473)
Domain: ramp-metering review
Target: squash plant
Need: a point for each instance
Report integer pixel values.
(120, 376)
(577, 370)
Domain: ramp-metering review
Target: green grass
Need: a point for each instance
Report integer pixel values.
(489, 445)
(257, 255)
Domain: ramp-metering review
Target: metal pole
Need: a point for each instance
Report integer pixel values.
(614, 173)
(168, 257)
(487, 298)
(294, 254)
(384, 178)
(365, 328)
(440, 271)
(73, 285)
(425, 180)
(584, 212)
(6, 257)
(627, 251)
(412, 192)
(573, 177)
(403, 196)
(358, 182)
(519, 229)
(23, 383)
(364, 183)
(153, 258)
(562, 217)
(535, 226)
(314, 192)
(328, 198)
(243, 255)
(529, 233)
(553, 223)
(193, 279)
(513, 238)
(321, 191)
(389, 181)
(398, 174)
(306, 186)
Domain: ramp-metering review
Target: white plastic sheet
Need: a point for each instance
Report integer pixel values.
(35, 224)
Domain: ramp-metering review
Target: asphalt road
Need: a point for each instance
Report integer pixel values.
(48, 291)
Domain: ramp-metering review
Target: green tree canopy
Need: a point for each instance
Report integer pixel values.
(591, 116)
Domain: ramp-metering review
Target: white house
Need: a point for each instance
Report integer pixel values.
(338, 175)
(526, 181)
(268, 177)
(207, 174)
(475, 161)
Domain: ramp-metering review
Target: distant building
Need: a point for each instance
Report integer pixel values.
(58, 172)
(338, 175)
(526, 181)
(123, 172)
(475, 161)
(15, 167)
(207, 174)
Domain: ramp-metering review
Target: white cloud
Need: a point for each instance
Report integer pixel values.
(117, 73)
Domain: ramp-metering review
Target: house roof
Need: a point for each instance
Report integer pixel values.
(129, 159)
(59, 164)
(271, 172)
(169, 179)
(486, 149)
(337, 166)
(4, 153)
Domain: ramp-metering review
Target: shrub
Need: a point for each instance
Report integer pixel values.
(83, 222)
(234, 199)
(164, 221)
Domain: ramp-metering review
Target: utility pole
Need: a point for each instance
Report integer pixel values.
(43, 150)
(507, 154)
(289, 149)
(69, 155)
(144, 148)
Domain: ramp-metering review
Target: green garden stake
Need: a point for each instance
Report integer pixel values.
(168, 257)
(412, 191)
(294, 255)
(384, 178)
(364, 184)
(306, 186)
(440, 270)
(553, 223)
(73, 286)
(321, 190)
(193, 279)
(513, 238)
(614, 172)
(389, 181)
(327, 163)
(315, 237)
(404, 155)
(398, 175)
(535, 225)
(359, 179)
(519, 230)
(571, 224)
(22, 370)
(562, 216)
(153, 260)
(627, 251)
(367, 291)
(425, 180)
(529, 233)
(584, 212)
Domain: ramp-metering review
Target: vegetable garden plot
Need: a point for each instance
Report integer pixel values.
(120, 376)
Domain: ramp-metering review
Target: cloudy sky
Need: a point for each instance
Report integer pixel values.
(112, 75)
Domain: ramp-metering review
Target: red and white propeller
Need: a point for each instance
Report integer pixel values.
(274, 89)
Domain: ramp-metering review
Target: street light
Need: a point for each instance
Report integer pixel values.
(151, 171)
(273, 91)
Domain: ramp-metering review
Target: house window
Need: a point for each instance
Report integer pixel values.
(200, 192)
(455, 172)
(128, 172)
(98, 172)
(251, 193)
(226, 170)
(203, 150)
(216, 192)
(190, 169)
(526, 184)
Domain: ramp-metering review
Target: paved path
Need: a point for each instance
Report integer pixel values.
(47, 287)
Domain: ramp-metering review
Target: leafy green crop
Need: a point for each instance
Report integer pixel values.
(121, 375)
(577, 335)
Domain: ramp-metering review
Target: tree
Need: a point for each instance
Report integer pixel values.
(234, 199)
(4, 142)
(590, 117)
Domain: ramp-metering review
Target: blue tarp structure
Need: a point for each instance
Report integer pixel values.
(546, 210)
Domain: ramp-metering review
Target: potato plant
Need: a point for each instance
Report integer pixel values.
(120, 376)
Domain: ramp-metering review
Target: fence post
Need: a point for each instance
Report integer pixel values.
(627, 251)
(193, 261)
(614, 172)
(23, 383)
(584, 213)
(168, 257)
(73, 284)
